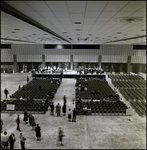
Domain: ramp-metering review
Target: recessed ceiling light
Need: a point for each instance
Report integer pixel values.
(143, 30)
(131, 19)
(16, 29)
(77, 23)
(13, 32)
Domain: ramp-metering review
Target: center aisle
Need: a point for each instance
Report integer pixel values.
(67, 87)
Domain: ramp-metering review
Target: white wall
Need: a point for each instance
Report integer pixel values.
(109, 53)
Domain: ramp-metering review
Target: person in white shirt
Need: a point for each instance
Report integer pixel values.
(5, 138)
(69, 114)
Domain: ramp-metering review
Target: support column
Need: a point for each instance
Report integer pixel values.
(100, 60)
(121, 70)
(129, 65)
(71, 60)
(43, 61)
(15, 63)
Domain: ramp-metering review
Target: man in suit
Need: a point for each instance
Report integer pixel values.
(58, 108)
(6, 92)
(18, 122)
(11, 141)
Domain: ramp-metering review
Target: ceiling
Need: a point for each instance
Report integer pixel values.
(76, 22)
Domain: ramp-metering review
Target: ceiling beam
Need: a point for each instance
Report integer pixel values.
(15, 13)
(126, 39)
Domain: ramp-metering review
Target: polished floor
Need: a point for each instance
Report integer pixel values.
(89, 132)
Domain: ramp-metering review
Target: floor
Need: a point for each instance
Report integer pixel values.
(89, 132)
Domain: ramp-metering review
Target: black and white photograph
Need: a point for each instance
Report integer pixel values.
(73, 74)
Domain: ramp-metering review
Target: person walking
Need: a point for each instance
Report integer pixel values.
(18, 122)
(64, 109)
(12, 140)
(25, 119)
(6, 92)
(74, 115)
(22, 141)
(28, 79)
(38, 132)
(60, 136)
(52, 108)
(58, 108)
(5, 138)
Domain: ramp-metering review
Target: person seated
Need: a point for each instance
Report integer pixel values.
(79, 88)
(21, 98)
(40, 89)
(82, 89)
(23, 88)
(85, 89)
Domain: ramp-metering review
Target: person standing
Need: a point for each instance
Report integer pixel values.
(74, 115)
(6, 92)
(28, 79)
(38, 132)
(18, 122)
(58, 108)
(52, 108)
(5, 138)
(69, 114)
(64, 109)
(1, 125)
(22, 141)
(25, 119)
(30, 118)
(64, 100)
(12, 140)
(19, 87)
(60, 136)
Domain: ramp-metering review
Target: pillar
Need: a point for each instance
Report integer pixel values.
(129, 65)
(43, 61)
(14, 63)
(100, 60)
(71, 60)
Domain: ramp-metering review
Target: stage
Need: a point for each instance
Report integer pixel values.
(68, 74)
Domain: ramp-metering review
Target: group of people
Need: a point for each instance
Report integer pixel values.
(6, 139)
(71, 114)
(11, 139)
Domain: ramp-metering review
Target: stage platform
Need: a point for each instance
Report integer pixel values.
(43, 75)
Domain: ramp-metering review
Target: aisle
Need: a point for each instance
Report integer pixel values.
(67, 88)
